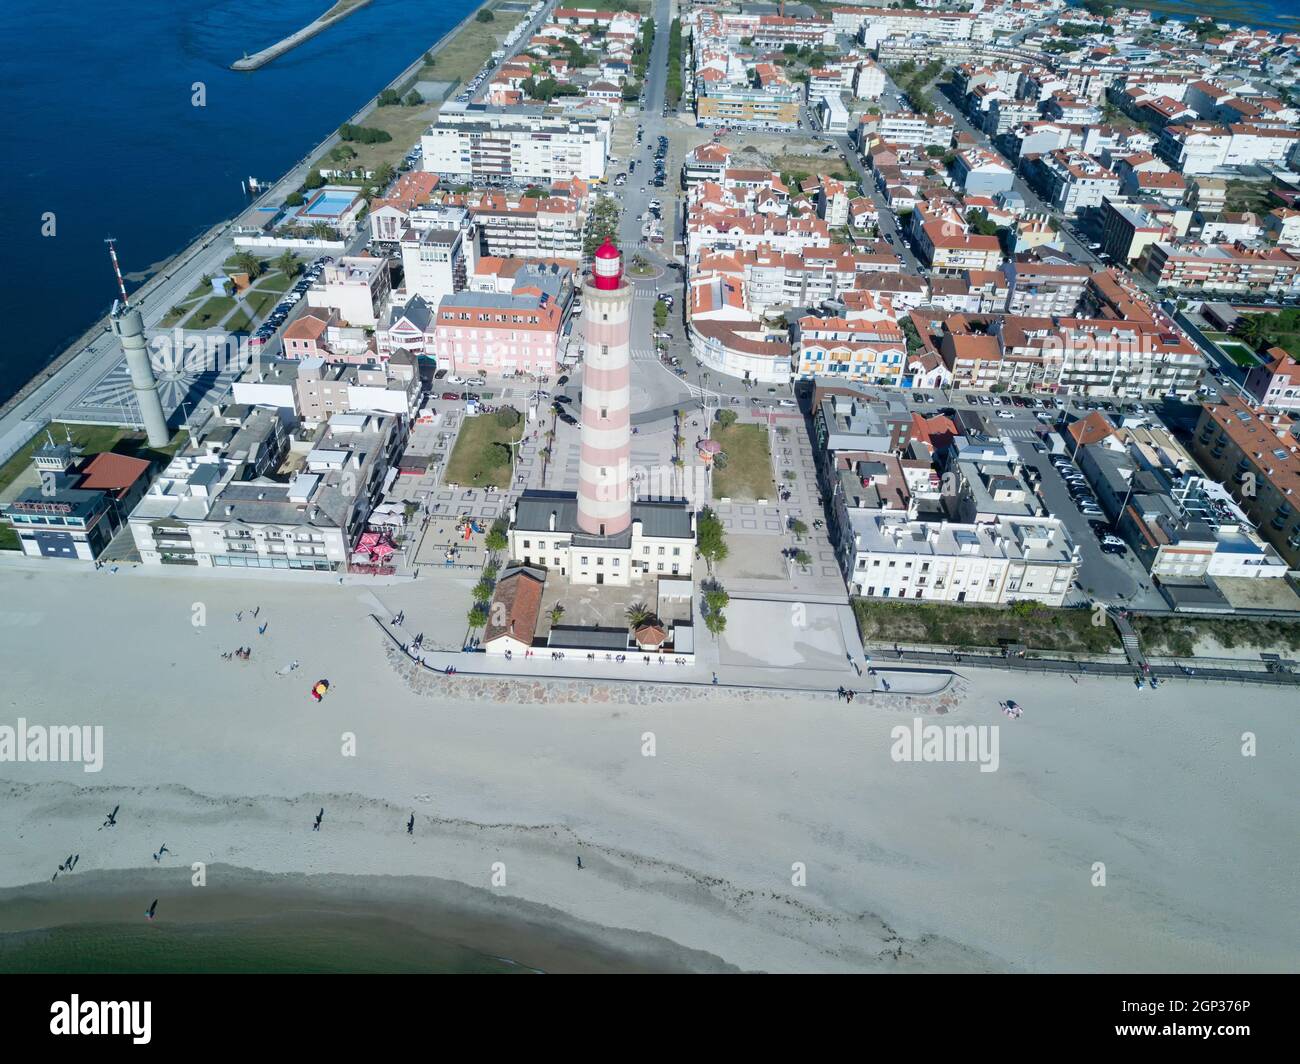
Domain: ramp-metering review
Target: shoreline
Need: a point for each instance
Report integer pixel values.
(287, 44)
(397, 916)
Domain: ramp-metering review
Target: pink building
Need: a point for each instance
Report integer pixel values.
(488, 332)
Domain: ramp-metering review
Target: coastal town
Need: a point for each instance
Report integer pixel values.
(671, 352)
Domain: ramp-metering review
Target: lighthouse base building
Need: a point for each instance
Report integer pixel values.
(659, 541)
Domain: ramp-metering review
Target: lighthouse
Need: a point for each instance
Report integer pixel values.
(604, 490)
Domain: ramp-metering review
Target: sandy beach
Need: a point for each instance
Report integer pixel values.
(691, 857)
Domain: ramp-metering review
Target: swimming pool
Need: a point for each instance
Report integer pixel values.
(328, 204)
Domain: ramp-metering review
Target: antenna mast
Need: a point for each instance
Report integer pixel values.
(117, 269)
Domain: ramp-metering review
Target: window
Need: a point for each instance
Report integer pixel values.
(584, 561)
(527, 544)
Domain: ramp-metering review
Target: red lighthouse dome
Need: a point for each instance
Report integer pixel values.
(607, 269)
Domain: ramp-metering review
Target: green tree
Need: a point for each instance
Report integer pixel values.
(288, 264)
(485, 15)
(507, 417)
(726, 418)
(637, 614)
(802, 558)
(557, 612)
(497, 541)
(477, 615)
(482, 590)
(389, 98)
(247, 262)
(294, 199)
(710, 537)
(412, 99)
(798, 527)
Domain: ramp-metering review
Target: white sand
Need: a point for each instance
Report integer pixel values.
(229, 762)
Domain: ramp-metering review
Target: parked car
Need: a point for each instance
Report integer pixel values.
(451, 395)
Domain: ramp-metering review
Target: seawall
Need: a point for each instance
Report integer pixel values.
(260, 59)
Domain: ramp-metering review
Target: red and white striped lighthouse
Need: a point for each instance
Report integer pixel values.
(604, 488)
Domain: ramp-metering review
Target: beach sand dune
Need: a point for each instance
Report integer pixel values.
(762, 835)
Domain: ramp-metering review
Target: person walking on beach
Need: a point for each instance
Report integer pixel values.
(239, 616)
(262, 629)
(319, 817)
(152, 910)
(410, 825)
(579, 860)
(161, 850)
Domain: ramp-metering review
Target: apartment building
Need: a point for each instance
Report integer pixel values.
(515, 146)
(437, 262)
(1256, 456)
(1005, 560)
(356, 287)
(1044, 288)
(517, 226)
(876, 25)
(199, 513)
(873, 352)
(979, 172)
(1072, 181)
(486, 332)
(743, 107)
(944, 241)
(1222, 268)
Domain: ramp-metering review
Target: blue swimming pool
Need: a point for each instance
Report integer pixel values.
(328, 204)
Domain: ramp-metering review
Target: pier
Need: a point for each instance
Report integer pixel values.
(337, 13)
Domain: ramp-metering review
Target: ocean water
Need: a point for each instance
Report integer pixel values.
(97, 127)
(1266, 14)
(300, 943)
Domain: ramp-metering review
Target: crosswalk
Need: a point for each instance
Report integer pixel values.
(1019, 433)
(644, 354)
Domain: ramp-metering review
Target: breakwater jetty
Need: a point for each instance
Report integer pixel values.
(337, 13)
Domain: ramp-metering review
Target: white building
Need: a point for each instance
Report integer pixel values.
(356, 287)
(995, 563)
(515, 147)
(544, 532)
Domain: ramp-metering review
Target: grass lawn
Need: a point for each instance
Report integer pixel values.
(1039, 628)
(478, 459)
(176, 314)
(748, 472)
(211, 312)
(275, 282)
(231, 265)
(262, 300)
(239, 321)
(1241, 354)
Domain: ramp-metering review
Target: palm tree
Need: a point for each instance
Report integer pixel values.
(322, 231)
(247, 262)
(637, 614)
(288, 264)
